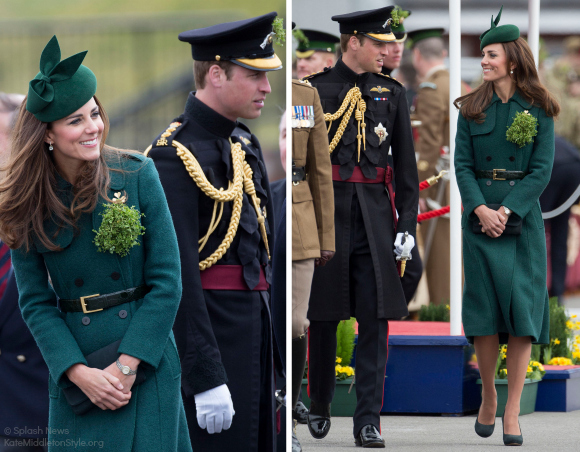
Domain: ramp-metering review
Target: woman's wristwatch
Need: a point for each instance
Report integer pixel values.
(125, 370)
(507, 211)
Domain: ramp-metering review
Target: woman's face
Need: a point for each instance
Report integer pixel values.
(494, 63)
(76, 138)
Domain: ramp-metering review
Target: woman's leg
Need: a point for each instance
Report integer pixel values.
(487, 349)
(518, 357)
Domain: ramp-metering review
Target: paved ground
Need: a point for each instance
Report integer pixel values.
(543, 432)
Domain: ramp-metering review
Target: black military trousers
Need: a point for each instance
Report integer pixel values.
(373, 333)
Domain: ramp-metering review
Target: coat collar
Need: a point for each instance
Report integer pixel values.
(349, 75)
(517, 97)
(208, 118)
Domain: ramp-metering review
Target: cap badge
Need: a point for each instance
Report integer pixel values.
(381, 133)
(268, 39)
(388, 22)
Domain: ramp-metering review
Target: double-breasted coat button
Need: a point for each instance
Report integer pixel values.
(79, 282)
(488, 158)
(115, 276)
(512, 183)
(21, 358)
(512, 159)
(86, 320)
(122, 313)
(488, 183)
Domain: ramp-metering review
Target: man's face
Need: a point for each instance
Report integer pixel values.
(371, 55)
(243, 95)
(393, 59)
(314, 63)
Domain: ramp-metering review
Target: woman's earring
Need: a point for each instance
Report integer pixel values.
(50, 148)
(511, 72)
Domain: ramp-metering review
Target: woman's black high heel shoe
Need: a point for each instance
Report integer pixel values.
(512, 440)
(483, 430)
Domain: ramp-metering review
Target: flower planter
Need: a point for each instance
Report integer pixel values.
(527, 402)
(343, 403)
(559, 390)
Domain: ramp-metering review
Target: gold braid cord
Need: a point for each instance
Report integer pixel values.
(235, 192)
(354, 97)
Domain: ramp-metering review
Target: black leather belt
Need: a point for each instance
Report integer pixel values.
(298, 174)
(94, 303)
(500, 174)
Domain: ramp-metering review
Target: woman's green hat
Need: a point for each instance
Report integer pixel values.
(61, 87)
(495, 34)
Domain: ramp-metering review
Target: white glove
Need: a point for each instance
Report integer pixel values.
(409, 243)
(215, 409)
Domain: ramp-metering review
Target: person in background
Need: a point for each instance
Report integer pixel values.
(23, 372)
(432, 106)
(316, 50)
(503, 161)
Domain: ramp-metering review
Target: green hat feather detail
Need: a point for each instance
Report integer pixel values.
(495, 33)
(61, 87)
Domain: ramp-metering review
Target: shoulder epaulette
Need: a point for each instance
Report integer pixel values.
(430, 85)
(391, 78)
(163, 141)
(314, 74)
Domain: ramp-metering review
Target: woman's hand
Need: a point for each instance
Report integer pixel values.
(126, 380)
(492, 221)
(103, 389)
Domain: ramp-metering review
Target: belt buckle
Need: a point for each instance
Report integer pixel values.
(84, 305)
(495, 172)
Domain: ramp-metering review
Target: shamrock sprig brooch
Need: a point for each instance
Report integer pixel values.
(523, 129)
(120, 228)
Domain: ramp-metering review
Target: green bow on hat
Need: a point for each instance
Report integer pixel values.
(61, 87)
(495, 34)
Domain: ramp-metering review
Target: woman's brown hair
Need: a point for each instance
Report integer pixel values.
(28, 194)
(528, 84)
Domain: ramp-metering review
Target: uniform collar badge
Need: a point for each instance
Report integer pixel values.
(381, 133)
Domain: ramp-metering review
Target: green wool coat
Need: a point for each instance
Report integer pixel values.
(505, 278)
(154, 419)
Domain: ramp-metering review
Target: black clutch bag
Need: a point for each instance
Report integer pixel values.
(99, 359)
(512, 227)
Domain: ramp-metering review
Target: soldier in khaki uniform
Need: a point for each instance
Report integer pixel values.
(563, 80)
(432, 110)
(316, 50)
(312, 215)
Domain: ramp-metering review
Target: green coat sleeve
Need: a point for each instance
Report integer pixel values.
(46, 323)
(525, 195)
(151, 325)
(471, 196)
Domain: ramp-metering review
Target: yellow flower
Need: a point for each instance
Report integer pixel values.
(573, 316)
(560, 361)
(530, 369)
(556, 341)
(504, 371)
(569, 324)
(338, 360)
(540, 367)
(576, 354)
(474, 358)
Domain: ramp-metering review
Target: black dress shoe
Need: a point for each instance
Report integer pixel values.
(319, 419)
(369, 436)
(300, 413)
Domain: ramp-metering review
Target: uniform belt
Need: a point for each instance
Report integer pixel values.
(298, 174)
(500, 174)
(229, 277)
(383, 176)
(94, 303)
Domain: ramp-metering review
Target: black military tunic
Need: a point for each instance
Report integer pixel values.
(330, 298)
(223, 336)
